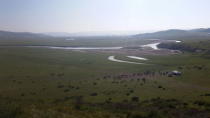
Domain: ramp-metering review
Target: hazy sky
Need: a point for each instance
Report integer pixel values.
(102, 15)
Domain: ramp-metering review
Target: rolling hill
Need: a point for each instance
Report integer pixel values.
(172, 34)
(176, 34)
(21, 35)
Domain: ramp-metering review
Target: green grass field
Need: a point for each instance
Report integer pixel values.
(43, 79)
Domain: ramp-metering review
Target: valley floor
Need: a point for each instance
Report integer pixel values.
(42, 82)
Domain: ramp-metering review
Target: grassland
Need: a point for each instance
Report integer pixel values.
(40, 82)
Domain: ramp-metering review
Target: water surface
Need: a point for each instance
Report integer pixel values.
(112, 58)
(139, 58)
(78, 48)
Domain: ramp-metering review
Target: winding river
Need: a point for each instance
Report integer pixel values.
(152, 46)
(138, 58)
(112, 58)
(78, 48)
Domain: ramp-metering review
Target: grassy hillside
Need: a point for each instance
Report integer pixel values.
(176, 34)
(20, 39)
(193, 46)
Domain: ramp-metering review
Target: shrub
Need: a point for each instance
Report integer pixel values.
(66, 90)
(60, 86)
(22, 94)
(93, 94)
(135, 99)
(131, 91)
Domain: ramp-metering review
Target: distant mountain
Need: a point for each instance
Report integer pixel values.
(99, 33)
(58, 34)
(207, 30)
(79, 34)
(21, 35)
(174, 34)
